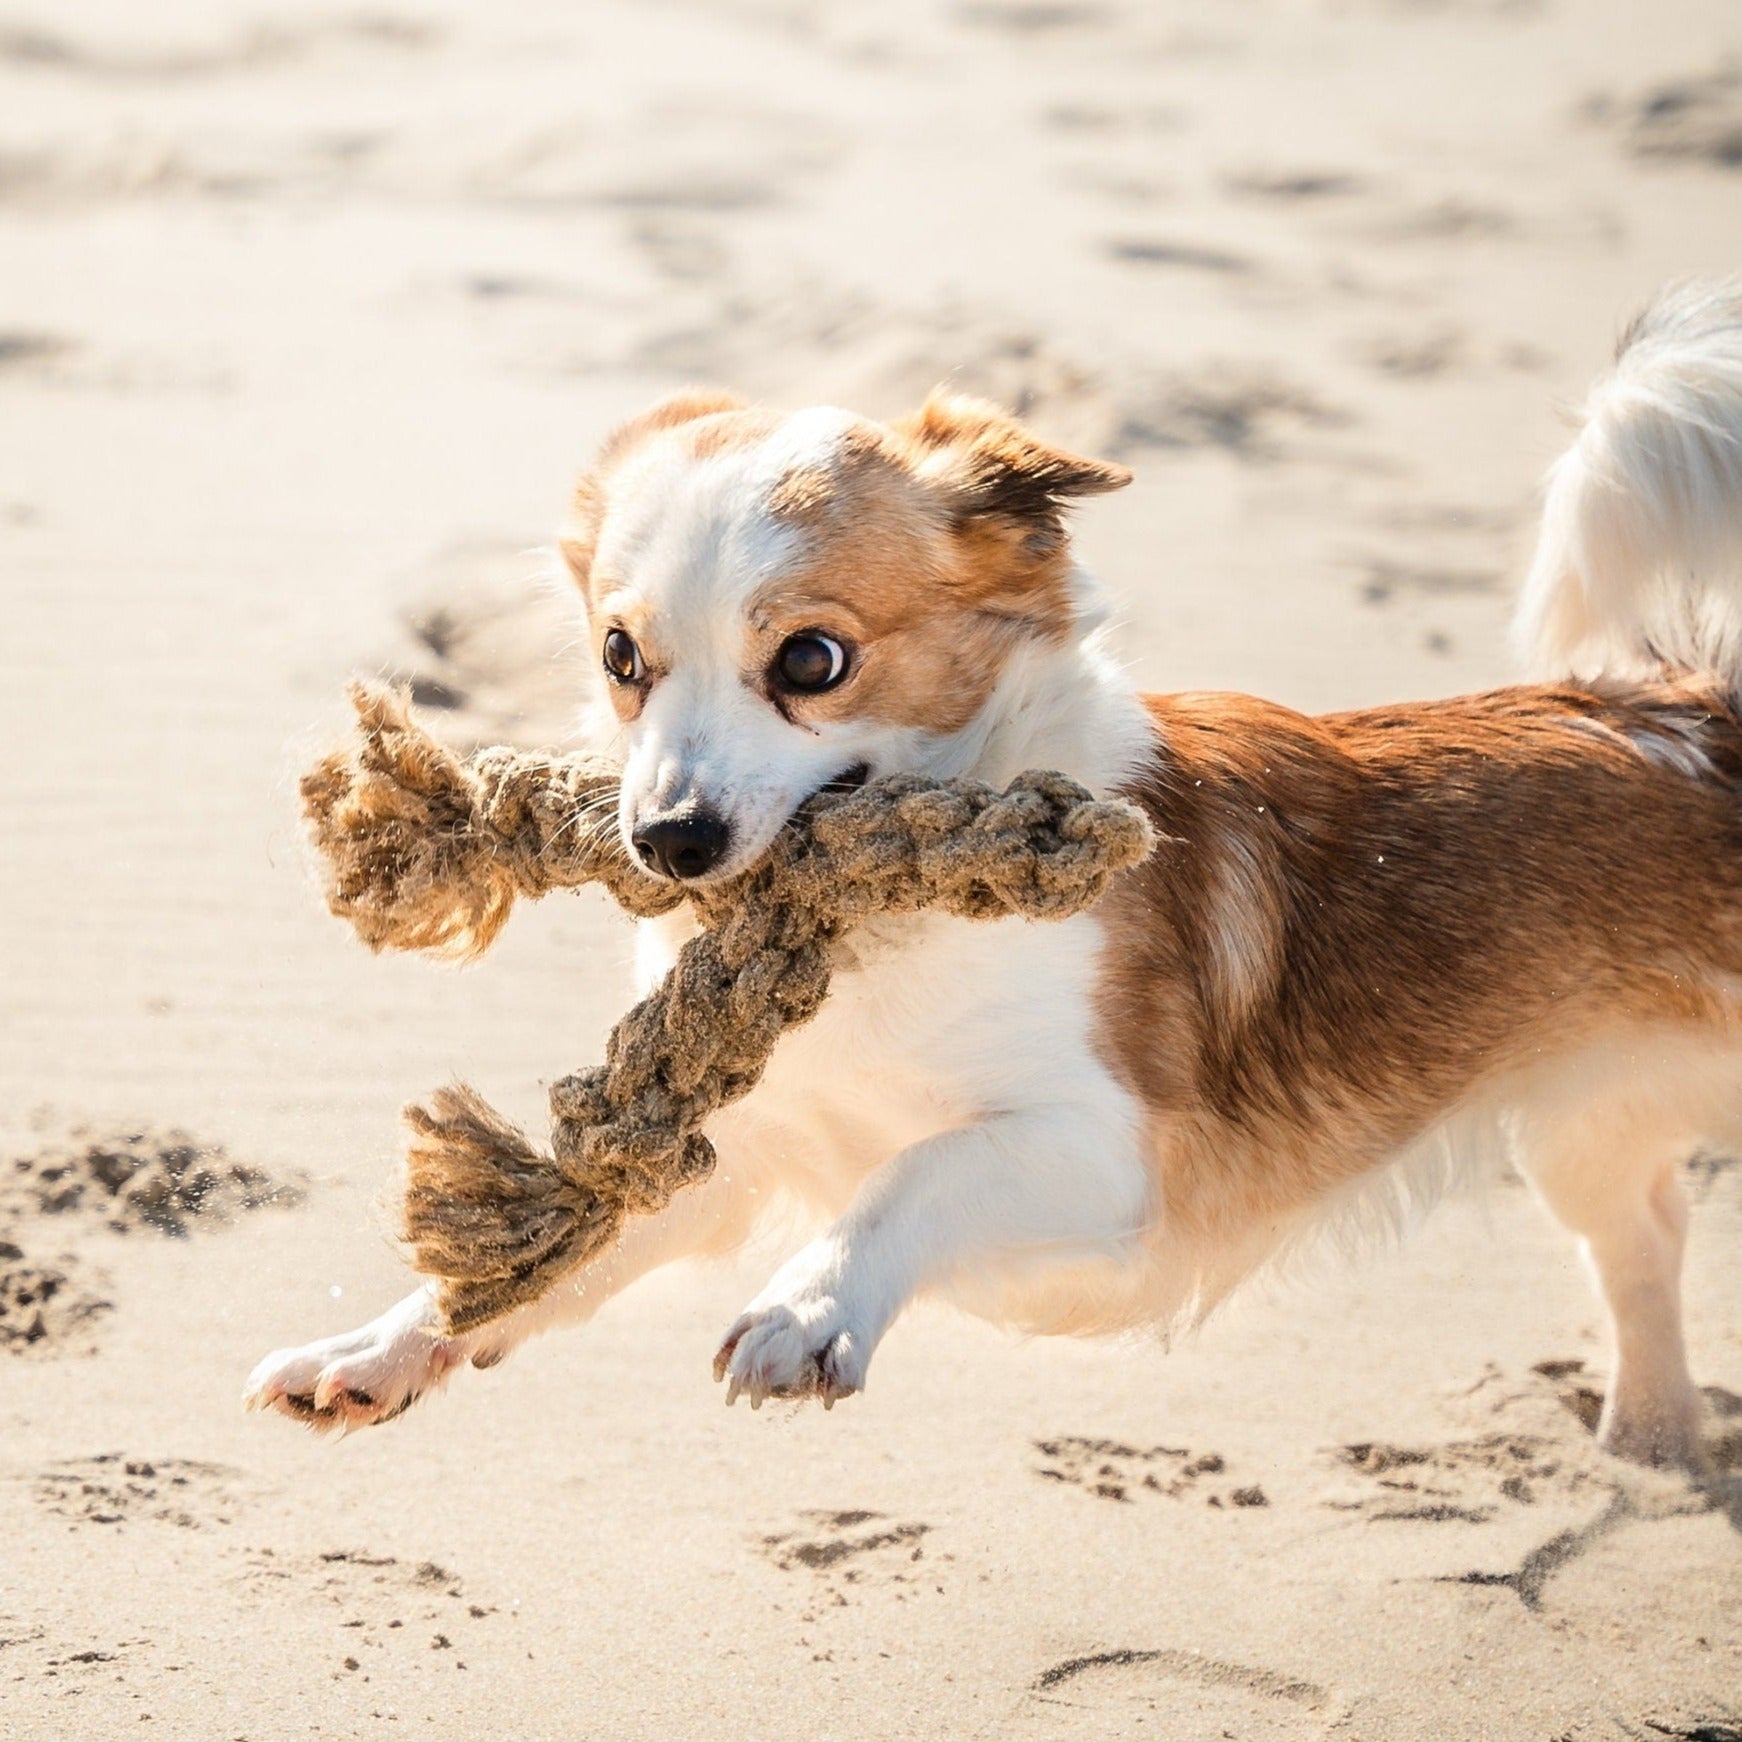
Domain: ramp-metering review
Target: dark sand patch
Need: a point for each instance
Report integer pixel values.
(139, 1179)
(260, 48)
(381, 1606)
(494, 648)
(45, 1309)
(1695, 119)
(857, 1548)
(22, 348)
(1242, 409)
(120, 1182)
(1459, 1481)
(1111, 1470)
(1383, 580)
(113, 1489)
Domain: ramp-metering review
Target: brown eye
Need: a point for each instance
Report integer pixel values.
(622, 657)
(810, 662)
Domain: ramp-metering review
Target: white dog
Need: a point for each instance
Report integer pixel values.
(1370, 945)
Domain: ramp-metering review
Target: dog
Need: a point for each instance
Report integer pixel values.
(1372, 951)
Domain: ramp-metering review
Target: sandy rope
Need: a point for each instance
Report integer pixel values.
(426, 851)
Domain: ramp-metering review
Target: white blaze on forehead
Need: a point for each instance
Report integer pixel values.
(694, 537)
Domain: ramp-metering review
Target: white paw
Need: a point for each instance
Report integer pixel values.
(798, 1338)
(365, 1377)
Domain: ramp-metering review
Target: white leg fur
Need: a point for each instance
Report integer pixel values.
(1611, 1175)
(370, 1375)
(1638, 573)
(1014, 1191)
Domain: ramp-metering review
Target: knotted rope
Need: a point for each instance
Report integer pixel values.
(426, 851)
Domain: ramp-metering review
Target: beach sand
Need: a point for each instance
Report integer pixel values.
(308, 317)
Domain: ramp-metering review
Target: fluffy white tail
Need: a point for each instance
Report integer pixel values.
(1638, 566)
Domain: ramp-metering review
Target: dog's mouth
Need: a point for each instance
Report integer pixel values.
(849, 779)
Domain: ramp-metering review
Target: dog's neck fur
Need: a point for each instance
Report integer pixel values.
(1064, 706)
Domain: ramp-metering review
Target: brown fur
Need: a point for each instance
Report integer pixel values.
(1357, 921)
(591, 496)
(929, 606)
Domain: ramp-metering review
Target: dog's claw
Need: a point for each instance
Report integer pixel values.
(363, 1377)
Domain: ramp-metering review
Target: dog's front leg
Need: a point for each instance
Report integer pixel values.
(378, 1371)
(1059, 1182)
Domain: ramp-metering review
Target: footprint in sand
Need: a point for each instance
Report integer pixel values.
(379, 1603)
(488, 646)
(1584, 1403)
(26, 352)
(1695, 119)
(1183, 255)
(1490, 1478)
(46, 1308)
(1034, 18)
(856, 1547)
(1111, 1470)
(1104, 1695)
(126, 1181)
(115, 1490)
(1383, 580)
(1457, 1482)
(1242, 409)
(1417, 356)
(1288, 186)
(1481, 1477)
(25, 46)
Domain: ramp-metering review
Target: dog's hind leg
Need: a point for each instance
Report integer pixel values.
(1613, 1176)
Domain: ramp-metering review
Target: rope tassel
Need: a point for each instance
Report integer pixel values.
(425, 851)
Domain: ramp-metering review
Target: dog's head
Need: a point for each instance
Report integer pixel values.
(783, 603)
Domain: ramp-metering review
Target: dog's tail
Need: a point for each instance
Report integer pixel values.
(1638, 568)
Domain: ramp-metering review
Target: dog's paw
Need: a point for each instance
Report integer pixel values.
(797, 1339)
(1660, 1433)
(773, 1352)
(363, 1378)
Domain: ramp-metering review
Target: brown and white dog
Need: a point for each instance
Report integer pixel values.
(1374, 950)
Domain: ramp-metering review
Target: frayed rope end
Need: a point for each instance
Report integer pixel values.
(391, 822)
(490, 1217)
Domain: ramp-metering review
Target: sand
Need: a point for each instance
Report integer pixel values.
(307, 317)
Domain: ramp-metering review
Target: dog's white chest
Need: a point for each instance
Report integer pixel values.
(930, 1022)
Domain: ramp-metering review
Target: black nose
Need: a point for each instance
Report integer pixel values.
(682, 843)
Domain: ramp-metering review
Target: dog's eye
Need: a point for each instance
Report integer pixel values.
(622, 657)
(810, 662)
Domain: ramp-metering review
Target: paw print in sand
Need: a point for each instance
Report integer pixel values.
(1110, 1470)
(112, 1489)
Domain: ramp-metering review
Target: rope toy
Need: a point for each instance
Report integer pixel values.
(425, 851)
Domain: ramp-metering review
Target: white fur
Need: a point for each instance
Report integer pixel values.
(1639, 560)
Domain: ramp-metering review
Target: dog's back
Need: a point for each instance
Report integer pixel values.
(1374, 943)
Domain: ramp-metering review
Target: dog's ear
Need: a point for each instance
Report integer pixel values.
(586, 505)
(989, 465)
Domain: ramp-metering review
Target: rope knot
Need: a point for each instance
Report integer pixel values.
(426, 851)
